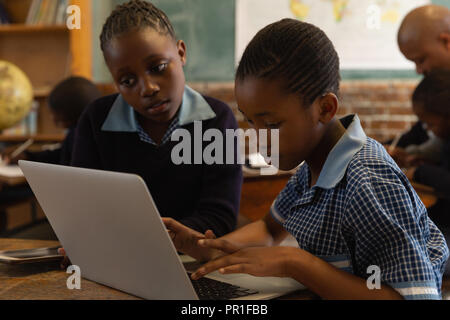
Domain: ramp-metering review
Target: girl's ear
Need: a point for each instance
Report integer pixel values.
(181, 46)
(328, 106)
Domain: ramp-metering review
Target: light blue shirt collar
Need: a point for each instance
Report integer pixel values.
(122, 118)
(338, 159)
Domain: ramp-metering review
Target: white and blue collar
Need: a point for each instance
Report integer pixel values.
(342, 153)
(122, 117)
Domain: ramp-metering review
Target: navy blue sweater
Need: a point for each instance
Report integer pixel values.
(200, 196)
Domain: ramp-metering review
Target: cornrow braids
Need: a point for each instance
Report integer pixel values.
(134, 14)
(433, 92)
(298, 53)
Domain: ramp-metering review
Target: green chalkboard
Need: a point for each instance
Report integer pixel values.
(442, 2)
(208, 28)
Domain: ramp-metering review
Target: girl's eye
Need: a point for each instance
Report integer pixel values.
(273, 125)
(159, 68)
(127, 82)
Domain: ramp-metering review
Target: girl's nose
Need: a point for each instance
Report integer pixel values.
(148, 87)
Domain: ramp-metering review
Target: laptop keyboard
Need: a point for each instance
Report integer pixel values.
(209, 289)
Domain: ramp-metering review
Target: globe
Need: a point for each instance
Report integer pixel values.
(16, 95)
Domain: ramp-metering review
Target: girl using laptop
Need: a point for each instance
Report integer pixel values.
(362, 231)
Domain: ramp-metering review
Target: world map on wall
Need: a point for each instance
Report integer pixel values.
(389, 9)
(364, 32)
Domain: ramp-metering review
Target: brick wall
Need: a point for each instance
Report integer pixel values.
(384, 107)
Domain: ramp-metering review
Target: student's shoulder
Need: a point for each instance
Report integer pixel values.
(224, 113)
(100, 108)
(216, 104)
(377, 187)
(372, 165)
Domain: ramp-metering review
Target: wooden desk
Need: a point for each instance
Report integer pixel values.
(258, 193)
(46, 281)
(51, 137)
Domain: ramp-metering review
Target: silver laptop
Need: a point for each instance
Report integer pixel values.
(110, 227)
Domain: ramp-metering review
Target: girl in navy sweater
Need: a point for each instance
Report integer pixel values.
(131, 131)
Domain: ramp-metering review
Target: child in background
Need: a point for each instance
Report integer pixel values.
(350, 207)
(424, 39)
(431, 101)
(67, 102)
(131, 131)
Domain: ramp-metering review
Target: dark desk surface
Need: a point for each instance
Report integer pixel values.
(46, 281)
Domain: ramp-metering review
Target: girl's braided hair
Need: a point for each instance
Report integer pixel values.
(134, 14)
(298, 53)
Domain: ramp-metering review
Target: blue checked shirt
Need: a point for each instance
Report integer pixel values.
(363, 212)
(167, 136)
